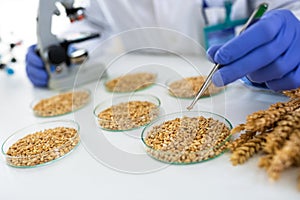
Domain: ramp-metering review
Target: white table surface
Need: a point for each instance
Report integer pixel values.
(82, 175)
(101, 166)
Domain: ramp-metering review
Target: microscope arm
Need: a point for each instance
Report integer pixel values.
(61, 67)
(45, 38)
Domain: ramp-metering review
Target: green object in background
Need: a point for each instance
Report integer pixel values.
(261, 10)
(257, 13)
(221, 33)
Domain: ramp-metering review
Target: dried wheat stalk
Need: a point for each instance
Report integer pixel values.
(275, 131)
(277, 137)
(245, 151)
(292, 93)
(299, 181)
(261, 121)
(233, 145)
(287, 156)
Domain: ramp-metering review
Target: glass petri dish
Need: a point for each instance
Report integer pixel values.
(127, 112)
(61, 104)
(130, 82)
(188, 87)
(186, 137)
(41, 144)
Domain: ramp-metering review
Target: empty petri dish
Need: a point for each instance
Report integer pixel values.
(127, 112)
(61, 104)
(186, 137)
(41, 143)
(188, 87)
(130, 82)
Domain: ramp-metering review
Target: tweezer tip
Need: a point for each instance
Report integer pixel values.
(189, 107)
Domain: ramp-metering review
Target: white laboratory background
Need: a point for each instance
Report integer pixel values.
(81, 175)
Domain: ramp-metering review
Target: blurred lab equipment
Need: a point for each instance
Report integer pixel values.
(7, 57)
(61, 66)
(216, 34)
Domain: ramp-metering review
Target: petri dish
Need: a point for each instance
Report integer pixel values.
(186, 137)
(127, 112)
(61, 104)
(130, 82)
(41, 144)
(188, 87)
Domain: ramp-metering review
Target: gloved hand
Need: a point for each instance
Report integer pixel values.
(267, 52)
(35, 68)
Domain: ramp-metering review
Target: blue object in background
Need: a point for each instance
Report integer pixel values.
(7, 69)
(6, 57)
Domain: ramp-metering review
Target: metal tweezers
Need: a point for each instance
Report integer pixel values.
(256, 14)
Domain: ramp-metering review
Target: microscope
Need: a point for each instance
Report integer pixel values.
(61, 66)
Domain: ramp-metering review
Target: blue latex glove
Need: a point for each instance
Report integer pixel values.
(35, 68)
(267, 52)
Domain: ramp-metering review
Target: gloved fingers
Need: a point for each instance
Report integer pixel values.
(33, 59)
(218, 79)
(38, 77)
(36, 72)
(258, 58)
(258, 34)
(212, 51)
(290, 81)
(248, 64)
(32, 48)
(38, 82)
(280, 67)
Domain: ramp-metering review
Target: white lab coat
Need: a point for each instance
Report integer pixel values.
(176, 25)
(241, 7)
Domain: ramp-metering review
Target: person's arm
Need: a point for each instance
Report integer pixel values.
(267, 52)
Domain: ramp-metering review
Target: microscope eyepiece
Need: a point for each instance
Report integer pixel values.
(57, 54)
